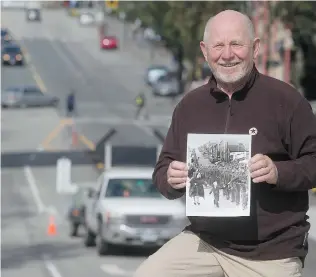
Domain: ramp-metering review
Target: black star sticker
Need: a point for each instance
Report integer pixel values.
(253, 131)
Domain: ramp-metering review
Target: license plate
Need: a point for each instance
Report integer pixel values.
(149, 236)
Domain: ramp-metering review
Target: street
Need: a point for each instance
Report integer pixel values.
(64, 56)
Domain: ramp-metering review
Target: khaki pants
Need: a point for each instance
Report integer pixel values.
(188, 256)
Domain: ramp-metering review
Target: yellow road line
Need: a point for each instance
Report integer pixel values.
(91, 146)
(54, 133)
(39, 81)
(87, 142)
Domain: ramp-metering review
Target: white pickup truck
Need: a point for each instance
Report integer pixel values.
(126, 209)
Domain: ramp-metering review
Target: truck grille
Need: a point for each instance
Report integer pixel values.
(134, 220)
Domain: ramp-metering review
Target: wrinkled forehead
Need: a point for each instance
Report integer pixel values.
(227, 32)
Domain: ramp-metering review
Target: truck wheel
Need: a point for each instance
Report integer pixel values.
(89, 238)
(102, 245)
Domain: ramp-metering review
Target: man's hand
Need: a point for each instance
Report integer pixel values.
(177, 174)
(262, 169)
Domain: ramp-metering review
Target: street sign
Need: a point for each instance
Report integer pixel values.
(111, 4)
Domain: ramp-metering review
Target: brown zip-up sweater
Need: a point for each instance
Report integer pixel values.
(286, 132)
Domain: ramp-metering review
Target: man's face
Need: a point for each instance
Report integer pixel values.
(229, 51)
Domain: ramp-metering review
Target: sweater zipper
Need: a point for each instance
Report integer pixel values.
(228, 116)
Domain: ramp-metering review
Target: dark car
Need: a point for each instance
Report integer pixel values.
(12, 54)
(33, 15)
(5, 36)
(76, 212)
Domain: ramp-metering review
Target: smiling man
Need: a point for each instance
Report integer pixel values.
(272, 241)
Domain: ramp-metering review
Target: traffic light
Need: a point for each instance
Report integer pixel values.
(111, 4)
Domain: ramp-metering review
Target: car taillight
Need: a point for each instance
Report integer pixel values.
(106, 42)
(6, 57)
(18, 57)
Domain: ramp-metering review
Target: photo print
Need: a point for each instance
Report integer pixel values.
(219, 183)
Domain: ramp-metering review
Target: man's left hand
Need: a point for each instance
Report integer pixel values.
(263, 169)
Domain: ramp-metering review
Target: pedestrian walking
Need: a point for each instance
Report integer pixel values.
(140, 106)
(237, 99)
(71, 103)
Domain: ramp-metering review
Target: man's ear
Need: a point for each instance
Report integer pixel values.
(203, 49)
(256, 48)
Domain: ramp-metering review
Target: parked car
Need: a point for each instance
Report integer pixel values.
(26, 96)
(76, 211)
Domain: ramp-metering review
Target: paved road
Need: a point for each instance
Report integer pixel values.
(29, 251)
(64, 56)
(24, 231)
(28, 129)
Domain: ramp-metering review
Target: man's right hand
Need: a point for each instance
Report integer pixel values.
(177, 174)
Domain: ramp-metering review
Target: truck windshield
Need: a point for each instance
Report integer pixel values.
(132, 188)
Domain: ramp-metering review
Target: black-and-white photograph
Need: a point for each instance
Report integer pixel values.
(219, 181)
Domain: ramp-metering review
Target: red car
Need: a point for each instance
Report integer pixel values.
(109, 42)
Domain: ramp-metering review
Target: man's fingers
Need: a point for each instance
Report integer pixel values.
(260, 172)
(179, 165)
(177, 173)
(180, 186)
(256, 158)
(176, 181)
(261, 179)
(258, 165)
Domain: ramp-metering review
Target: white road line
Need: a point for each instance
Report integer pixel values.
(34, 189)
(115, 270)
(41, 207)
(51, 267)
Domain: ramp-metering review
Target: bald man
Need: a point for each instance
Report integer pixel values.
(237, 99)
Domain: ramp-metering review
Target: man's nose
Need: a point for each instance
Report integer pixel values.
(227, 53)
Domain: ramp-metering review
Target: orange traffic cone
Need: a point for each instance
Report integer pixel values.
(51, 230)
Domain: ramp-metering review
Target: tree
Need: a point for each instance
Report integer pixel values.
(300, 17)
(180, 24)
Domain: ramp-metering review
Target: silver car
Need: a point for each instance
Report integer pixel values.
(167, 85)
(26, 96)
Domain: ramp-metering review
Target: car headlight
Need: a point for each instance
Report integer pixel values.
(113, 218)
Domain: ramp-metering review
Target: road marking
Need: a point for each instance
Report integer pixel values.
(87, 142)
(51, 267)
(41, 207)
(54, 133)
(114, 269)
(34, 189)
(36, 76)
(145, 129)
(39, 81)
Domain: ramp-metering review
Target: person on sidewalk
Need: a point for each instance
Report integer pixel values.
(71, 103)
(237, 99)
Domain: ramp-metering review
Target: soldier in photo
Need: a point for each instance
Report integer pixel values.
(215, 189)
